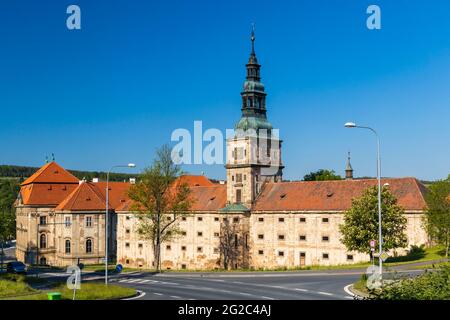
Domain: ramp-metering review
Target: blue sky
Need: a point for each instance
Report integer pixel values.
(115, 90)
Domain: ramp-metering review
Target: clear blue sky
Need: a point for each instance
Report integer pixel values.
(114, 91)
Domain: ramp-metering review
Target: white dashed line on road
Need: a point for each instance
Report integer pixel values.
(175, 297)
(325, 293)
(157, 293)
(268, 298)
(302, 290)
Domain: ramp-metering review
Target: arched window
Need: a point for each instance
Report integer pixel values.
(67, 246)
(88, 246)
(43, 241)
(43, 261)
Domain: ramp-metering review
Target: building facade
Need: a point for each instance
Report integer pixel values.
(272, 223)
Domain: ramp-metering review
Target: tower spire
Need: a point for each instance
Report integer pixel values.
(348, 169)
(253, 39)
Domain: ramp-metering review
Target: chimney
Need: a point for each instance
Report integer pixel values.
(132, 180)
(94, 180)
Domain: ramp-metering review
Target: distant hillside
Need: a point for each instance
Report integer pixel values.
(21, 172)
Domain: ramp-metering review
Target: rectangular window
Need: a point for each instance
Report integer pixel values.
(183, 233)
(281, 237)
(216, 234)
(238, 177)
(200, 234)
(281, 253)
(261, 219)
(260, 236)
(302, 220)
(127, 217)
(88, 222)
(43, 220)
(216, 250)
(325, 220)
(183, 266)
(183, 218)
(280, 219)
(260, 252)
(199, 249)
(183, 248)
(238, 196)
(235, 219)
(67, 247)
(199, 218)
(67, 222)
(140, 245)
(127, 244)
(302, 237)
(325, 256)
(168, 247)
(350, 257)
(127, 231)
(216, 219)
(325, 238)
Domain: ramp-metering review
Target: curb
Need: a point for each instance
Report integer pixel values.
(139, 294)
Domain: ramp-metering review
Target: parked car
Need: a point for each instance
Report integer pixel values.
(16, 267)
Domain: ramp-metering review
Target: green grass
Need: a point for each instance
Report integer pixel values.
(19, 287)
(14, 285)
(433, 253)
(88, 291)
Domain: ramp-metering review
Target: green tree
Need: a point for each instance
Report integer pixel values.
(159, 202)
(9, 189)
(361, 222)
(437, 215)
(322, 175)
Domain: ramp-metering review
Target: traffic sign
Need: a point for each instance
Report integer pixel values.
(119, 268)
(372, 243)
(384, 256)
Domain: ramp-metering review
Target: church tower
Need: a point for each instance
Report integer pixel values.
(254, 151)
(348, 169)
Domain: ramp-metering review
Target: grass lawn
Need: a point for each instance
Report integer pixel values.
(18, 287)
(88, 291)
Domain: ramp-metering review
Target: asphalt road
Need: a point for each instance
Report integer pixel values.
(253, 286)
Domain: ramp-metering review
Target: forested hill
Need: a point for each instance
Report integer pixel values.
(21, 172)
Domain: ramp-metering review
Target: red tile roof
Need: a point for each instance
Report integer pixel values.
(51, 173)
(40, 194)
(205, 198)
(334, 195)
(194, 181)
(117, 194)
(86, 197)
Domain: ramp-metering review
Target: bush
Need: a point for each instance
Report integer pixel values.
(433, 285)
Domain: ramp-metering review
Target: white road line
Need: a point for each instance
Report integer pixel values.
(141, 294)
(134, 280)
(143, 281)
(175, 297)
(300, 289)
(268, 298)
(347, 290)
(124, 280)
(157, 293)
(325, 293)
(245, 293)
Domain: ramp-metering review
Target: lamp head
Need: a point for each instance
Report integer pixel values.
(350, 125)
(131, 165)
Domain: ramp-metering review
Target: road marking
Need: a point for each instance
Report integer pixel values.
(245, 293)
(141, 294)
(144, 281)
(325, 293)
(157, 293)
(124, 280)
(347, 290)
(300, 289)
(134, 280)
(175, 297)
(268, 298)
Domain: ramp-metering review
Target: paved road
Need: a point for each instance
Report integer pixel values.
(260, 286)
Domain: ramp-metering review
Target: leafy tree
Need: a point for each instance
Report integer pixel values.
(159, 202)
(361, 222)
(9, 189)
(322, 175)
(437, 215)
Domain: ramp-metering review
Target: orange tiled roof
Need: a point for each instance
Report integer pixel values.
(86, 197)
(194, 181)
(51, 173)
(45, 194)
(334, 195)
(205, 198)
(117, 194)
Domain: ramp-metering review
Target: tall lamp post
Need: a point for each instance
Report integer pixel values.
(380, 235)
(130, 165)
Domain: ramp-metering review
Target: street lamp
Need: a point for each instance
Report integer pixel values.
(380, 235)
(130, 165)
